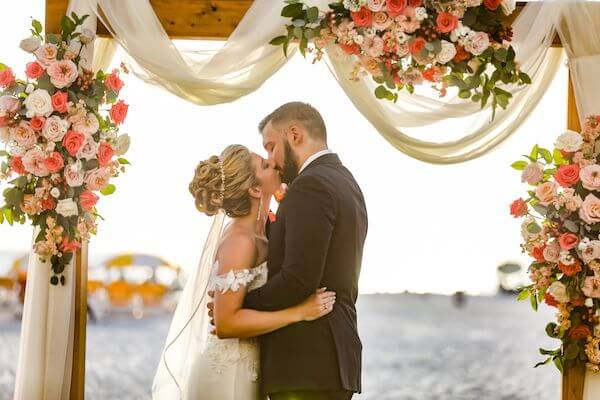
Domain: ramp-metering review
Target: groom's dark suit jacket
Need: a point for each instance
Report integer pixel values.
(316, 241)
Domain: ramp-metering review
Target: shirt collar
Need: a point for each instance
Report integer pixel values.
(312, 158)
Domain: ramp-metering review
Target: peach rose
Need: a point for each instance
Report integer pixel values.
(31, 205)
(46, 54)
(591, 287)
(105, 153)
(568, 241)
(376, 5)
(54, 162)
(87, 124)
(34, 70)
(62, 73)
(60, 101)
(9, 105)
(73, 141)
(559, 291)
(590, 177)
(88, 200)
(23, 135)
(552, 252)
(381, 21)
(532, 174)
(546, 193)
(590, 209)
(55, 128)
(118, 112)
(97, 179)
(33, 161)
(371, 65)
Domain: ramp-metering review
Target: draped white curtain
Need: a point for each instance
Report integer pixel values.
(46, 342)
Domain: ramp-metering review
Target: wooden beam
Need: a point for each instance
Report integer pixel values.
(182, 19)
(80, 276)
(194, 19)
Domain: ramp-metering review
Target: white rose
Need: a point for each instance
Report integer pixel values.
(4, 134)
(87, 36)
(67, 208)
(508, 6)
(570, 141)
(89, 149)
(38, 104)
(474, 3)
(30, 44)
(459, 32)
(589, 302)
(477, 43)
(122, 144)
(29, 89)
(354, 5)
(421, 13)
(74, 174)
(447, 52)
(55, 192)
(559, 292)
(566, 258)
(55, 128)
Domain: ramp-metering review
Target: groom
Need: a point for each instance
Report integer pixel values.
(316, 241)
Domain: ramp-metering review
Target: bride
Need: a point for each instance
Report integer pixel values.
(224, 365)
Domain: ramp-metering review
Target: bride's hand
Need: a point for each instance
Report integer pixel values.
(316, 306)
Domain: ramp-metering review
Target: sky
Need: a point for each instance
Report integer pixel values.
(432, 228)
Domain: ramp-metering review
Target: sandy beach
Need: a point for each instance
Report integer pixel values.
(415, 348)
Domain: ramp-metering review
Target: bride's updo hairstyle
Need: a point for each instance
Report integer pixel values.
(223, 182)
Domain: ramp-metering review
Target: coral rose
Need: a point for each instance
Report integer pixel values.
(37, 123)
(59, 101)
(363, 17)
(417, 45)
(446, 22)
(492, 4)
(551, 301)
(580, 332)
(7, 78)
(567, 175)
(34, 70)
(73, 141)
(568, 241)
(16, 164)
(570, 269)
(396, 7)
(54, 162)
(118, 112)
(105, 153)
(88, 200)
(113, 82)
(518, 208)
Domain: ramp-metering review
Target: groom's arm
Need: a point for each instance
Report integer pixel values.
(309, 222)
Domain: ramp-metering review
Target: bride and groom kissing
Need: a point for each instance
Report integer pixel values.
(270, 311)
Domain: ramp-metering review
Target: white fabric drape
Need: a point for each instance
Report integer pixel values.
(46, 342)
(247, 60)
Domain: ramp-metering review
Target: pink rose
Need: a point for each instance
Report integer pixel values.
(568, 241)
(590, 177)
(74, 174)
(105, 153)
(59, 101)
(97, 179)
(408, 21)
(88, 200)
(9, 105)
(113, 82)
(33, 161)
(34, 70)
(46, 54)
(54, 162)
(89, 148)
(590, 209)
(552, 252)
(373, 46)
(24, 135)
(477, 43)
(396, 6)
(55, 128)
(546, 193)
(7, 78)
(62, 73)
(375, 5)
(118, 112)
(73, 141)
(532, 174)
(591, 287)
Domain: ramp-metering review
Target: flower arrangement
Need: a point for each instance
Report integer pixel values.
(59, 127)
(560, 230)
(405, 43)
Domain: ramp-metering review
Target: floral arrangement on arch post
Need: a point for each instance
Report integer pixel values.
(405, 43)
(561, 231)
(60, 129)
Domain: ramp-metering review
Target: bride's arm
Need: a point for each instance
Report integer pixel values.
(233, 321)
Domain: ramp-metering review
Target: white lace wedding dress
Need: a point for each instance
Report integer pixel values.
(228, 369)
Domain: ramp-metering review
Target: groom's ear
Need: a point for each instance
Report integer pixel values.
(296, 134)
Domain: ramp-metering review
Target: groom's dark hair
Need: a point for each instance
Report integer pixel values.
(302, 113)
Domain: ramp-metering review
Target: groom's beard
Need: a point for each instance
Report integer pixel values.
(290, 165)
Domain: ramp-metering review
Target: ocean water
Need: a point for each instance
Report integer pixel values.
(416, 347)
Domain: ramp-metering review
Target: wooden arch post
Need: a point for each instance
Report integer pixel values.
(217, 19)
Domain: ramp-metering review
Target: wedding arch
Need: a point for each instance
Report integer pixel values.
(242, 65)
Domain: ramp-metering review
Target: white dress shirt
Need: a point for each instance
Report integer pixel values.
(313, 158)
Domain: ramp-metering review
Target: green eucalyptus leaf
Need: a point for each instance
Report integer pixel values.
(519, 165)
(292, 10)
(108, 190)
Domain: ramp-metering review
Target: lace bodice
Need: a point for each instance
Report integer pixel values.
(223, 353)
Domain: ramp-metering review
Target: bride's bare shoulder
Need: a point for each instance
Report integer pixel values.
(236, 251)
